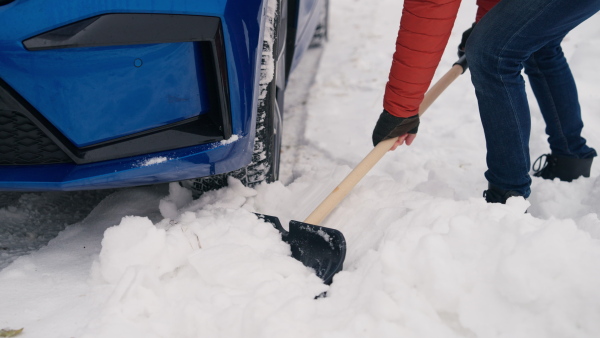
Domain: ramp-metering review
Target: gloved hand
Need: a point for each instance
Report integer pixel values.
(390, 126)
(463, 41)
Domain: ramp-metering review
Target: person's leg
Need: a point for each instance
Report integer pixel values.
(499, 45)
(555, 90)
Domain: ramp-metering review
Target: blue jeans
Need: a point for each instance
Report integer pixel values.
(527, 34)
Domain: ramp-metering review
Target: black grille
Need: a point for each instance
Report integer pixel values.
(23, 143)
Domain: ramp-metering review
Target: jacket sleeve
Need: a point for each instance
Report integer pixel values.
(425, 28)
(484, 6)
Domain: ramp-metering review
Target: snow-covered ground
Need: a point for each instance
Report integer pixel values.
(427, 257)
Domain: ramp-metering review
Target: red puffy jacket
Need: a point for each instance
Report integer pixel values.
(425, 28)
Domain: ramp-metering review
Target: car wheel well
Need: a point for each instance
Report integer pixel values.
(264, 166)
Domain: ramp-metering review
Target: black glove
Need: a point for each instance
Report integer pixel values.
(463, 41)
(390, 126)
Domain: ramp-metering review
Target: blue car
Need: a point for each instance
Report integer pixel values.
(115, 93)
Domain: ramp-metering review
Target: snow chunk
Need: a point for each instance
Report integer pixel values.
(178, 198)
(230, 140)
(153, 160)
(136, 242)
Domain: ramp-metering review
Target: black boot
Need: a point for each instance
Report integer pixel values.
(497, 195)
(565, 168)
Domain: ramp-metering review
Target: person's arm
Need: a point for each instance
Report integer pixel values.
(425, 28)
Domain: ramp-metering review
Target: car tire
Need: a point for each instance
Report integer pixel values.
(264, 166)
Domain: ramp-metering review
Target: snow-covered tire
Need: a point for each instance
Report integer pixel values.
(264, 166)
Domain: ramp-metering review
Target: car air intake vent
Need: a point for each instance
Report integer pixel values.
(23, 143)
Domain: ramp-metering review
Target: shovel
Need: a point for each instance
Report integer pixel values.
(324, 249)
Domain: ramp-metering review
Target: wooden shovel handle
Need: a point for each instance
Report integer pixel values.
(340, 192)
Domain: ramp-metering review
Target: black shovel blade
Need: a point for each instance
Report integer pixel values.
(320, 248)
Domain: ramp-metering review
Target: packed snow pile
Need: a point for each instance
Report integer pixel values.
(427, 257)
(435, 267)
(214, 270)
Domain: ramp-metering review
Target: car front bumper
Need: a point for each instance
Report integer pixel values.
(130, 94)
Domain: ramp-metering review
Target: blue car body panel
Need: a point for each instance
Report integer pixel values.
(95, 84)
(148, 169)
(105, 93)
